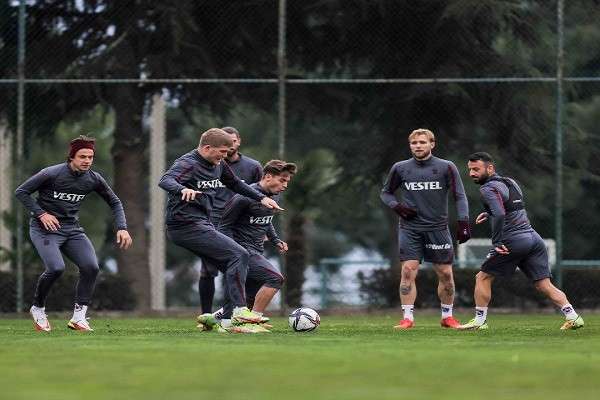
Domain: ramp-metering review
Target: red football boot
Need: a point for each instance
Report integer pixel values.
(405, 324)
(450, 322)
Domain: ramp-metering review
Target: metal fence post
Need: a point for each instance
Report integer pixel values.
(559, 143)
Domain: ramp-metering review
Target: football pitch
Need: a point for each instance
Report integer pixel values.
(349, 357)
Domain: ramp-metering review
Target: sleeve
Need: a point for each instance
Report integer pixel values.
(493, 198)
(172, 181)
(235, 184)
(393, 181)
(458, 191)
(113, 201)
(272, 235)
(232, 211)
(31, 185)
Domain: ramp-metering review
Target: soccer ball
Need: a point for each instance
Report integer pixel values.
(304, 320)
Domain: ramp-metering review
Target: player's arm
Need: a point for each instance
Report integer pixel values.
(176, 178)
(492, 196)
(275, 239)
(124, 240)
(462, 205)
(30, 186)
(109, 196)
(232, 182)
(231, 213)
(392, 183)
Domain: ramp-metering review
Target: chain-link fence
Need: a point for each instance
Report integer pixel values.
(334, 86)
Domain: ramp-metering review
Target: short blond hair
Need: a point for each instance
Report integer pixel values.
(216, 137)
(421, 131)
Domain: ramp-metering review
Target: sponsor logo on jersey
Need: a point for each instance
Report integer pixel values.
(214, 184)
(261, 220)
(445, 246)
(72, 197)
(435, 185)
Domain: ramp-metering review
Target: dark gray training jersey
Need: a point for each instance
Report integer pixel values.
(62, 190)
(424, 186)
(494, 194)
(192, 171)
(248, 222)
(248, 170)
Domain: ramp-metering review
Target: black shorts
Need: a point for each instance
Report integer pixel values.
(527, 251)
(431, 246)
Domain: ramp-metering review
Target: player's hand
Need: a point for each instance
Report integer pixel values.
(189, 194)
(464, 231)
(270, 203)
(49, 222)
(124, 240)
(502, 249)
(283, 247)
(405, 212)
(481, 218)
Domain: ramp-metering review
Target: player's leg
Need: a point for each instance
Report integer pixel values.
(483, 296)
(410, 249)
(495, 265)
(252, 288)
(261, 270)
(47, 245)
(206, 285)
(79, 249)
(408, 293)
(536, 267)
(208, 273)
(439, 251)
(231, 258)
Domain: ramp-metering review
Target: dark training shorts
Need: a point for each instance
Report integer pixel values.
(431, 246)
(527, 251)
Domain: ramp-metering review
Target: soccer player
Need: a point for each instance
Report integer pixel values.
(248, 170)
(424, 182)
(191, 183)
(514, 241)
(54, 227)
(248, 223)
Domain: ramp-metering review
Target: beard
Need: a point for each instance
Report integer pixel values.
(423, 156)
(232, 153)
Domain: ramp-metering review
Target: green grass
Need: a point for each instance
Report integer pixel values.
(520, 357)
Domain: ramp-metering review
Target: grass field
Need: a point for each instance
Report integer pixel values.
(520, 357)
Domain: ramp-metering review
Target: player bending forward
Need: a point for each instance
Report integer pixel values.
(191, 183)
(248, 222)
(515, 243)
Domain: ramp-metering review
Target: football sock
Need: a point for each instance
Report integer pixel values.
(569, 311)
(446, 310)
(480, 315)
(408, 311)
(79, 312)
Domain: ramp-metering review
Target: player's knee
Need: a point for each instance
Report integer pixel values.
(445, 275)
(55, 269)
(90, 268)
(275, 282)
(543, 285)
(482, 277)
(243, 255)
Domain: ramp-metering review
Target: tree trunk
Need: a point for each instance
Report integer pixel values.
(295, 260)
(130, 181)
